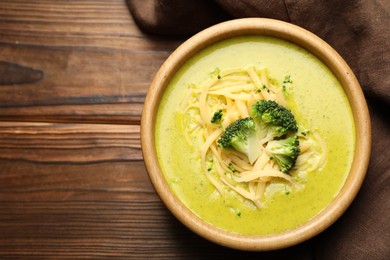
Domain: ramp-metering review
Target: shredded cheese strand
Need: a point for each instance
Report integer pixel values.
(234, 91)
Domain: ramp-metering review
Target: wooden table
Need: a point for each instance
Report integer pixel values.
(73, 78)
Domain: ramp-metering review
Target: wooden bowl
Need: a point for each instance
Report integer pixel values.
(316, 46)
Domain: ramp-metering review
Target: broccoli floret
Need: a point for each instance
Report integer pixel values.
(273, 119)
(284, 152)
(217, 117)
(241, 136)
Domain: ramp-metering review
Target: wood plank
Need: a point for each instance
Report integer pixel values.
(79, 61)
(72, 190)
(69, 161)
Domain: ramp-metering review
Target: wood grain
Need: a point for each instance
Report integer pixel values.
(77, 190)
(93, 63)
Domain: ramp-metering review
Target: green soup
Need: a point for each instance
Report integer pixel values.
(317, 99)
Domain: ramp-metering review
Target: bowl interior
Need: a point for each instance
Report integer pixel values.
(313, 44)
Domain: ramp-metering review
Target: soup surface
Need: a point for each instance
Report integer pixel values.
(316, 99)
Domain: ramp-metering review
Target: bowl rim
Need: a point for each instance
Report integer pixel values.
(347, 79)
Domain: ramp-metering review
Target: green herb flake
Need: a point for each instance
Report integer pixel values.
(217, 117)
(216, 72)
(287, 79)
(231, 167)
(286, 191)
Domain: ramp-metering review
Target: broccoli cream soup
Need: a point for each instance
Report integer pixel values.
(274, 178)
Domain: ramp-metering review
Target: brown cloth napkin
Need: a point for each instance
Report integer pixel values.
(359, 31)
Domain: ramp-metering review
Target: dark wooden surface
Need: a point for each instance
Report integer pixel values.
(73, 78)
